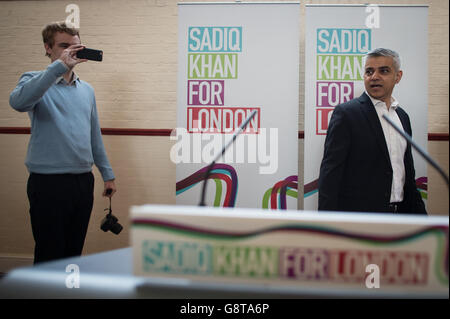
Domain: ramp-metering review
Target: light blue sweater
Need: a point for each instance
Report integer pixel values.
(65, 131)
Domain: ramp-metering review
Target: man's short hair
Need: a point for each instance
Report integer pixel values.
(386, 52)
(48, 33)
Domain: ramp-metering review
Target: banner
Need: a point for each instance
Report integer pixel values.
(337, 38)
(336, 255)
(233, 59)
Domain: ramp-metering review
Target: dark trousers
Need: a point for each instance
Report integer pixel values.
(60, 208)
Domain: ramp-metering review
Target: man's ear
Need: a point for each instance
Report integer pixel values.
(48, 49)
(398, 77)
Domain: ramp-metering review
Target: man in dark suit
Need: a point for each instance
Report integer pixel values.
(367, 166)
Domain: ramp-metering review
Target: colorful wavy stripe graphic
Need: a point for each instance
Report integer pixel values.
(421, 184)
(281, 188)
(440, 232)
(220, 173)
(311, 188)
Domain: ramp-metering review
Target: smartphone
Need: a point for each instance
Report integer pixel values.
(90, 54)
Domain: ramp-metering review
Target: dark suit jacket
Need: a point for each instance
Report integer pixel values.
(356, 172)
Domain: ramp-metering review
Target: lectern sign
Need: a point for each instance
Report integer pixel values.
(372, 254)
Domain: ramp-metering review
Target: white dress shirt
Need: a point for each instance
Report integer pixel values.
(396, 145)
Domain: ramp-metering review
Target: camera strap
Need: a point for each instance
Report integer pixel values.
(109, 209)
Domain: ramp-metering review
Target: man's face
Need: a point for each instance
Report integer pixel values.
(380, 77)
(62, 41)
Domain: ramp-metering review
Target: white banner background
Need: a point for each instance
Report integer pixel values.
(267, 78)
(401, 28)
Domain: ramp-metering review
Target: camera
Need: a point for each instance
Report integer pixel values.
(110, 222)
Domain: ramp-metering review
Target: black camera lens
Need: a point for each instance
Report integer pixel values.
(116, 228)
(110, 222)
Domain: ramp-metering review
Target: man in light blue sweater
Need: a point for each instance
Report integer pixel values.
(65, 142)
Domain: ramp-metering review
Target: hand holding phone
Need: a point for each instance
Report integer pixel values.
(90, 54)
(68, 55)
